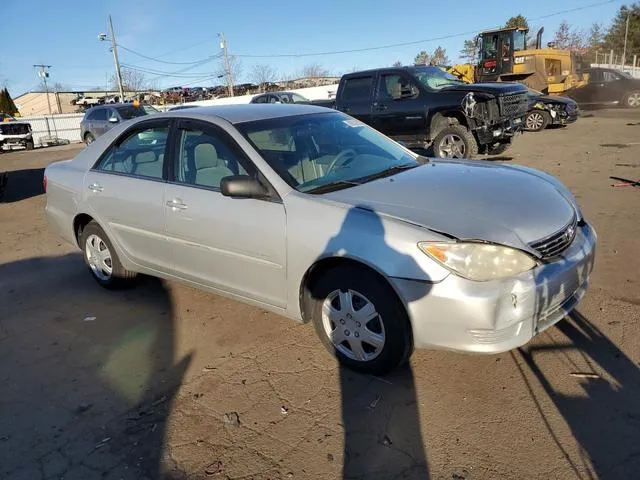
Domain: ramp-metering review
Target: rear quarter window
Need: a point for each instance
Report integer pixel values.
(357, 88)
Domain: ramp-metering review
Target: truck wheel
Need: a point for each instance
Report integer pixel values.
(455, 141)
(632, 100)
(89, 138)
(536, 120)
(29, 145)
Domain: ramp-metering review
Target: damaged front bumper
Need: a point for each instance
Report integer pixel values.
(499, 132)
(492, 317)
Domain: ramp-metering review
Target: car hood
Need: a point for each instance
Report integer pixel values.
(553, 99)
(469, 200)
(496, 88)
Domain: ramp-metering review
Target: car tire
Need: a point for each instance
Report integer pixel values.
(536, 120)
(29, 145)
(389, 327)
(455, 141)
(89, 138)
(102, 259)
(632, 99)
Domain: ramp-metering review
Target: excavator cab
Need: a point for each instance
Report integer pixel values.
(497, 49)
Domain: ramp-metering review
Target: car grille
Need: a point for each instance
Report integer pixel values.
(557, 243)
(515, 105)
(14, 129)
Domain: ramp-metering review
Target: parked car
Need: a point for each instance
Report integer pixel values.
(312, 214)
(607, 86)
(546, 110)
(102, 118)
(279, 97)
(425, 106)
(15, 133)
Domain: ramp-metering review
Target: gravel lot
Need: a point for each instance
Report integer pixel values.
(164, 381)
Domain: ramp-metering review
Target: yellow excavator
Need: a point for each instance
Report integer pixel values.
(505, 56)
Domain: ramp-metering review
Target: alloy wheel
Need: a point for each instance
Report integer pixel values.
(452, 146)
(353, 325)
(99, 257)
(633, 100)
(534, 121)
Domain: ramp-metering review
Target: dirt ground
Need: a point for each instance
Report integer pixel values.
(164, 381)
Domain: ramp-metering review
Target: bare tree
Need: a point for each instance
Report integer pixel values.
(314, 70)
(235, 65)
(132, 80)
(568, 38)
(59, 87)
(397, 63)
(439, 57)
(262, 73)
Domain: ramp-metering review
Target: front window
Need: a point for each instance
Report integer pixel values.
(322, 152)
(489, 46)
(129, 111)
(434, 78)
(519, 40)
(149, 109)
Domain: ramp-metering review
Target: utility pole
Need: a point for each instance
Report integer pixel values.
(114, 49)
(43, 74)
(626, 34)
(227, 66)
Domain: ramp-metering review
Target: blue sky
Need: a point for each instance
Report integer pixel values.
(64, 34)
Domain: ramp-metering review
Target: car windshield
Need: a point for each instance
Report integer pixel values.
(624, 74)
(326, 151)
(434, 77)
(129, 111)
(149, 109)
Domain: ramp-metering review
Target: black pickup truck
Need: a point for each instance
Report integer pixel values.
(424, 106)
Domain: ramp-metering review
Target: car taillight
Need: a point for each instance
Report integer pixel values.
(44, 183)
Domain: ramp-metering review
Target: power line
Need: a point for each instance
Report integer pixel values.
(416, 42)
(159, 73)
(163, 61)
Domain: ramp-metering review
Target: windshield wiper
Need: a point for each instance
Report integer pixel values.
(332, 186)
(387, 172)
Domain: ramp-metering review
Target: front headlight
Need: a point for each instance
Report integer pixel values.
(479, 261)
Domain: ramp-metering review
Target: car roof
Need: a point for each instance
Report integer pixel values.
(251, 111)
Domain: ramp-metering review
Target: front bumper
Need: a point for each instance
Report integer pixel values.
(500, 132)
(493, 317)
(563, 118)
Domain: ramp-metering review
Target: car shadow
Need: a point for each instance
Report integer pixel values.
(382, 437)
(21, 184)
(88, 375)
(604, 417)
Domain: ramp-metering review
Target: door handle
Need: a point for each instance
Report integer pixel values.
(95, 187)
(176, 204)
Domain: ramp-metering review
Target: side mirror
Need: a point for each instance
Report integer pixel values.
(113, 120)
(242, 186)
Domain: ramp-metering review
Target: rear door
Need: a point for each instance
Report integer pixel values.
(125, 192)
(99, 121)
(356, 96)
(231, 244)
(399, 109)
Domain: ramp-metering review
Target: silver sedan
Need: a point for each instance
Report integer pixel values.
(311, 214)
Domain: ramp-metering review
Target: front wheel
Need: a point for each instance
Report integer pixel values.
(536, 120)
(89, 138)
(102, 259)
(29, 145)
(632, 100)
(359, 319)
(455, 141)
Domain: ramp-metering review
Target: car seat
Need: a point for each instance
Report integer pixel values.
(210, 168)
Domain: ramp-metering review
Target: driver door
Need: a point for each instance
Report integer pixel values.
(399, 109)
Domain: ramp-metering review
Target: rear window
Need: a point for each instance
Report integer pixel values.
(357, 88)
(129, 111)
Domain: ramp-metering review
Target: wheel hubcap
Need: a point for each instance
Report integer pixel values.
(534, 121)
(354, 326)
(452, 146)
(99, 257)
(634, 100)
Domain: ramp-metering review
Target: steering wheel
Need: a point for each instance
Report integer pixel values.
(342, 159)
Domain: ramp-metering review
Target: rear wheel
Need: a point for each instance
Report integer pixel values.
(89, 138)
(359, 319)
(29, 145)
(102, 259)
(537, 120)
(455, 141)
(632, 100)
